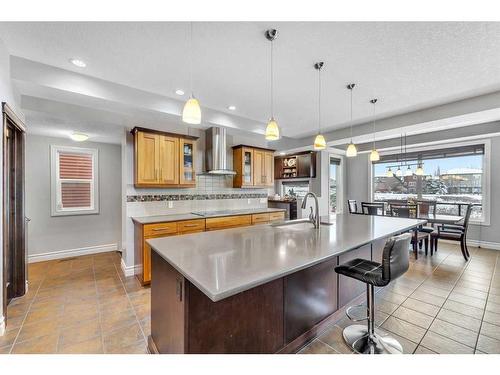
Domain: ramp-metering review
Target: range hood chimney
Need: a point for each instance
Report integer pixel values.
(216, 153)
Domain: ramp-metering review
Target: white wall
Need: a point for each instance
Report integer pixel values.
(8, 95)
(50, 237)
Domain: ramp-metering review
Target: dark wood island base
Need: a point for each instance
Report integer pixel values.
(280, 316)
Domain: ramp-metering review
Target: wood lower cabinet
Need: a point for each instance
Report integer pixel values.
(254, 167)
(163, 159)
(144, 232)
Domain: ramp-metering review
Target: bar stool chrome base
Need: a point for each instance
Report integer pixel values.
(356, 336)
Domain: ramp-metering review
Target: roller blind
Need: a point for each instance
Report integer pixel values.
(439, 153)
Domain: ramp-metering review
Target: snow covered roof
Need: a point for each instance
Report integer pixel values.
(463, 171)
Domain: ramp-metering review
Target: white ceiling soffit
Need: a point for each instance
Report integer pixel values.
(407, 65)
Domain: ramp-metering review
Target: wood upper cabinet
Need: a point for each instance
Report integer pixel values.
(163, 159)
(168, 160)
(147, 151)
(254, 167)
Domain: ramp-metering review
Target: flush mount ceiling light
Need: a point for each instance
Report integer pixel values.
(272, 129)
(79, 137)
(319, 141)
(374, 155)
(351, 151)
(77, 62)
(232, 108)
(191, 113)
(179, 92)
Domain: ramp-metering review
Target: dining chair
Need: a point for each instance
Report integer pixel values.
(453, 232)
(371, 208)
(425, 208)
(353, 206)
(419, 238)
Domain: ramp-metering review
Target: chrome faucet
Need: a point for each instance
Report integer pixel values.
(312, 218)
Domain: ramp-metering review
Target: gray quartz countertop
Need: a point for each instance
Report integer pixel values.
(202, 215)
(226, 262)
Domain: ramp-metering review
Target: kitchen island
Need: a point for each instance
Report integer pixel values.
(262, 289)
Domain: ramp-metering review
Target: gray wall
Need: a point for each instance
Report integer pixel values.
(48, 234)
(358, 187)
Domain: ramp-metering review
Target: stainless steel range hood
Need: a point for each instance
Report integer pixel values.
(216, 153)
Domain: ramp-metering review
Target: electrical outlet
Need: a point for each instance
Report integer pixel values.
(249, 201)
(263, 200)
(170, 204)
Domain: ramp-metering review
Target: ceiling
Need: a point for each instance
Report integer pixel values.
(408, 66)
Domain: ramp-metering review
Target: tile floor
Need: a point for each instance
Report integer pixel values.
(441, 305)
(79, 305)
(86, 305)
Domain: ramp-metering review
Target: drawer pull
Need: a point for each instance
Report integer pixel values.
(160, 229)
(190, 225)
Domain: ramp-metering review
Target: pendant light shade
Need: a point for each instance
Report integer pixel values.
(399, 173)
(272, 130)
(389, 173)
(420, 170)
(351, 151)
(191, 113)
(408, 171)
(319, 142)
(374, 156)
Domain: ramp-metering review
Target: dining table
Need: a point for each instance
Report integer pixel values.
(441, 218)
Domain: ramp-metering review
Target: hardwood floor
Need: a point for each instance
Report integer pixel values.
(86, 305)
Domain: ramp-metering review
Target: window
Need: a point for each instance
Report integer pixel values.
(297, 189)
(74, 185)
(333, 190)
(452, 176)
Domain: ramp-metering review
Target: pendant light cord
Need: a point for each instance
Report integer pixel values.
(191, 57)
(272, 79)
(351, 112)
(374, 123)
(319, 101)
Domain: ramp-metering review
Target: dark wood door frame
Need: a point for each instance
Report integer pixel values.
(13, 215)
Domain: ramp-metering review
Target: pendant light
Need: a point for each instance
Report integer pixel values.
(408, 171)
(351, 151)
(374, 155)
(272, 129)
(389, 173)
(420, 170)
(191, 114)
(319, 141)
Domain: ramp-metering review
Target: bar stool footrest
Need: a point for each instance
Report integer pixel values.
(351, 317)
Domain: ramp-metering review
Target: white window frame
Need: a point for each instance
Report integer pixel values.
(485, 221)
(340, 182)
(55, 182)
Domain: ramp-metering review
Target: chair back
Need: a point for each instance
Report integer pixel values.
(352, 205)
(467, 217)
(370, 208)
(425, 207)
(395, 257)
(402, 210)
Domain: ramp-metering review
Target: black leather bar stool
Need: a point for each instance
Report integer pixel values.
(395, 262)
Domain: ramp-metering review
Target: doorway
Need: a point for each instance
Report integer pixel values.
(14, 259)
(333, 185)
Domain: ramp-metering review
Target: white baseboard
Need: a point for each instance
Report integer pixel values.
(477, 243)
(2, 325)
(128, 270)
(72, 252)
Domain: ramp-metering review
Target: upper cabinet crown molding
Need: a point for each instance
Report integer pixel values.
(163, 159)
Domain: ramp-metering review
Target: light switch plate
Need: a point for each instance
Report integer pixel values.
(249, 201)
(170, 204)
(263, 200)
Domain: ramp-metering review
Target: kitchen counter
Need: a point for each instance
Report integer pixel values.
(227, 262)
(200, 215)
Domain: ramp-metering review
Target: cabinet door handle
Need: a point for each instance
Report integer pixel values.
(178, 289)
(156, 174)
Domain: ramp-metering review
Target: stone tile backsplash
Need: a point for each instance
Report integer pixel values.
(211, 193)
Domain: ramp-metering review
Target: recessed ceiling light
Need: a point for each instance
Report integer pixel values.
(79, 137)
(179, 92)
(282, 153)
(77, 62)
(232, 108)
